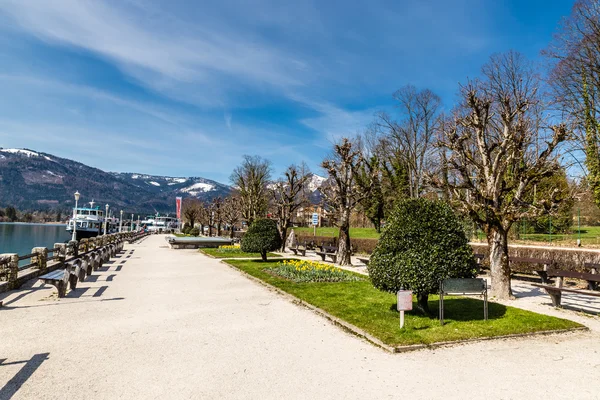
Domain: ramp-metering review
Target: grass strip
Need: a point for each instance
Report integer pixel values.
(234, 254)
(360, 304)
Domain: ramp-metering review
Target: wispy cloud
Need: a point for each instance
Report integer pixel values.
(162, 80)
(169, 57)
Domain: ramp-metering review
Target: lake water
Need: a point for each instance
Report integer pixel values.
(21, 238)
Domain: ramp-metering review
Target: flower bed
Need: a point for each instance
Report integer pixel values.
(302, 271)
(228, 249)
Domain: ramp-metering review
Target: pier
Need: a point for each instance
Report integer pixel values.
(154, 322)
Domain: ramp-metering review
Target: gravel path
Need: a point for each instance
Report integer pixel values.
(165, 324)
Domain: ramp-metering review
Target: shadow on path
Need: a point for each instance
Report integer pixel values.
(13, 385)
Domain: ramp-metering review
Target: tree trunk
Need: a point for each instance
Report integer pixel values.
(219, 229)
(231, 232)
(499, 267)
(343, 253)
(263, 255)
(210, 229)
(283, 237)
(423, 303)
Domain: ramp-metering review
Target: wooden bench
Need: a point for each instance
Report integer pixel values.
(555, 291)
(329, 251)
(364, 260)
(545, 263)
(60, 278)
(298, 249)
(594, 268)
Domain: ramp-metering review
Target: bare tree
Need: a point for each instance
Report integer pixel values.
(250, 179)
(575, 80)
(231, 211)
(342, 190)
(191, 210)
(497, 150)
(287, 195)
(407, 144)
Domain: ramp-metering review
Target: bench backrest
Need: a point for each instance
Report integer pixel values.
(529, 260)
(574, 274)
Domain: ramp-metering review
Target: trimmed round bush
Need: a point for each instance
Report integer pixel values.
(195, 231)
(262, 236)
(422, 244)
(186, 229)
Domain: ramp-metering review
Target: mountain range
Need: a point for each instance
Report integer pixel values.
(32, 180)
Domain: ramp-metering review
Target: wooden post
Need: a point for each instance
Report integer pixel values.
(41, 259)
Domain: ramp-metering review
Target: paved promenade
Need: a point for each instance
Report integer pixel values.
(173, 324)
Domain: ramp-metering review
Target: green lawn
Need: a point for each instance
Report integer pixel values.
(375, 312)
(234, 254)
(357, 233)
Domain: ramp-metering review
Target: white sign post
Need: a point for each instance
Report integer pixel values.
(315, 222)
(404, 303)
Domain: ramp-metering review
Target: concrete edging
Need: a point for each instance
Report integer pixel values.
(392, 349)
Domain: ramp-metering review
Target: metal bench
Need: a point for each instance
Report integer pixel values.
(329, 251)
(463, 286)
(555, 291)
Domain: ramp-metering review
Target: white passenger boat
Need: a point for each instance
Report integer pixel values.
(159, 224)
(89, 220)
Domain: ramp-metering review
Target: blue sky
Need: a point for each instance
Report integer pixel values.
(185, 88)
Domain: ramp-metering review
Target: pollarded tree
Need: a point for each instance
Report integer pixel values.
(342, 190)
(423, 243)
(191, 210)
(231, 212)
(498, 147)
(262, 236)
(250, 180)
(287, 195)
(216, 207)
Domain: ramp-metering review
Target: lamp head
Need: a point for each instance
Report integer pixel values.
(77, 195)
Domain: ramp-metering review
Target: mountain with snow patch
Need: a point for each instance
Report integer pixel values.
(32, 180)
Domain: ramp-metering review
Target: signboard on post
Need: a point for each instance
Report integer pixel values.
(178, 206)
(405, 298)
(315, 222)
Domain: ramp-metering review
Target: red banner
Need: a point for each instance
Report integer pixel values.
(178, 206)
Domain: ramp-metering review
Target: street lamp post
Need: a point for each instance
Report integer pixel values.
(106, 219)
(74, 237)
(138, 223)
(121, 222)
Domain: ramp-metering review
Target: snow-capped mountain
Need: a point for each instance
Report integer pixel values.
(34, 180)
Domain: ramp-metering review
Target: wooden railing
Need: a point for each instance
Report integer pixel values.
(42, 260)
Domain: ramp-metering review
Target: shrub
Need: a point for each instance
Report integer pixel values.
(194, 231)
(186, 229)
(261, 237)
(423, 243)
